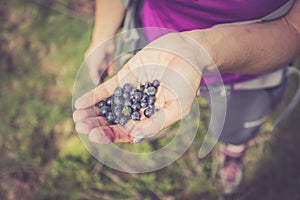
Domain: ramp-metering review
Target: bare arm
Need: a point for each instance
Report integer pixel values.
(253, 48)
(248, 48)
(108, 18)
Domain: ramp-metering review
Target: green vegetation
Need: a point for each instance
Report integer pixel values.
(42, 157)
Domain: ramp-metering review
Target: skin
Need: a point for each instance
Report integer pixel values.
(178, 94)
(106, 23)
(253, 48)
(232, 48)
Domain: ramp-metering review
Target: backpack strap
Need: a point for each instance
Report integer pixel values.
(132, 21)
(125, 3)
(129, 22)
(131, 33)
(284, 9)
(279, 12)
(294, 101)
(268, 80)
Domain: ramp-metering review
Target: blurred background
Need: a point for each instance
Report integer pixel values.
(42, 43)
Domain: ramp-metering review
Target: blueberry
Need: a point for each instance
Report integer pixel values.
(137, 95)
(135, 115)
(101, 103)
(118, 100)
(133, 101)
(123, 120)
(127, 102)
(148, 112)
(151, 106)
(127, 87)
(118, 92)
(117, 111)
(136, 106)
(151, 100)
(117, 120)
(143, 100)
(155, 83)
(144, 97)
(110, 117)
(151, 90)
(133, 91)
(108, 101)
(147, 84)
(104, 110)
(144, 104)
(126, 95)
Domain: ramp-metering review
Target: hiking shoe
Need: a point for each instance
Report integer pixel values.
(230, 170)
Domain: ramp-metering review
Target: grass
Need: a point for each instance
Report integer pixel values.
(42, 155)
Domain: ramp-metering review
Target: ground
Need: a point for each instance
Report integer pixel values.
(42, 47)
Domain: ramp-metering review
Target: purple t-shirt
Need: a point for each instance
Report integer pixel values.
(185, 15)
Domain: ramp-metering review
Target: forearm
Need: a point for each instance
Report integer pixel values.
(108, 18)
(252, 48)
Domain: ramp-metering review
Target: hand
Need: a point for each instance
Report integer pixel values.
(97, 58)
(179, 83)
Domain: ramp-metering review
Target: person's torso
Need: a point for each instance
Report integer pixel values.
(185, 15)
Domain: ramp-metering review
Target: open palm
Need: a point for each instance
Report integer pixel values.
(179, 82)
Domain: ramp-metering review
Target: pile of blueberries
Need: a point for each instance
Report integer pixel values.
(129, 103)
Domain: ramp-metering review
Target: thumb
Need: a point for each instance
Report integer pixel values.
(94, 75)
(94, 61)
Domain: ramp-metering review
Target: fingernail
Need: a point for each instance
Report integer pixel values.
(136, 132)
(96, 82)
(138, 139)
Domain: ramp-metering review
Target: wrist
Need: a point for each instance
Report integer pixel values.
(206, 54)
(186, 47)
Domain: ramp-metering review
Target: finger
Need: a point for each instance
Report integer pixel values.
(99, 93)
(94, 75)
(157, 122)
(84, 126)
(99, 131)
(106, 89)
(93, 69)
(109, 134)
(94, 62)
(86, 113)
